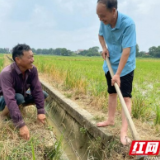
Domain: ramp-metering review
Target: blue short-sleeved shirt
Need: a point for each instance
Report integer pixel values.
(118, 38)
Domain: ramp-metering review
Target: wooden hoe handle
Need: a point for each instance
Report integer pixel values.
(127, 114)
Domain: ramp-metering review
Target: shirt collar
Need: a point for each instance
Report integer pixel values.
(118, 23)
(18, 70)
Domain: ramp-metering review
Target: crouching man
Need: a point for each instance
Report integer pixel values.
(15, 80)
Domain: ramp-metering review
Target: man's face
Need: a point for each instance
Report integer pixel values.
(26, 60)
(105, 15)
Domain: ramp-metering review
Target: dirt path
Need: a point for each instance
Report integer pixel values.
(6, 60)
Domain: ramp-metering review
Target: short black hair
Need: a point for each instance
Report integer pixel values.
(17, 51)
(109, 3)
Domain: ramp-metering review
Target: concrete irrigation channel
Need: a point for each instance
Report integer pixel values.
(82, 139)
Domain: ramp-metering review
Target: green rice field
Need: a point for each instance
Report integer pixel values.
(85, 75)
(1, 62)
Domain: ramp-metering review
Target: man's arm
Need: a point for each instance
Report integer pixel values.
(123, 60)
(122, 63)
(13, 108)
(9, 96)
(128, 41)
(103, 44)
(36, 91)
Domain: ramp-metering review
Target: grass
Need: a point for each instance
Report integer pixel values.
(81, 75)
(140, 110)
(1, 62)
(75, 73)
(83, 130)
(42, 144)
(157, 119)
(13, 147)
(98, 118)
(33, 151)
(57, 152)
(146, 82)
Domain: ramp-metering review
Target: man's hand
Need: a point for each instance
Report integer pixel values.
(24, 132)
(105, 53)
(116, 79)
(41, 118)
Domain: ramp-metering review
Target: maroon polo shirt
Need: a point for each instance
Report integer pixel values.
(12, 81)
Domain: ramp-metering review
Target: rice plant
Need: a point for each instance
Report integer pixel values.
(139, 108)
(157, 117)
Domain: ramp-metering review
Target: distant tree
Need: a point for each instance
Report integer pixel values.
(51, 51)
(39, 51)
(95, 49)
(33, 50)
(152, 51)
(83, 53)
(45, 51)
(57, 51)
(155, 51)
(141, 54)
(137, 50)
(3, 50)
(90, 52)
(64, 52)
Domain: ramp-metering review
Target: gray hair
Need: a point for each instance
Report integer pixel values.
(110, 4)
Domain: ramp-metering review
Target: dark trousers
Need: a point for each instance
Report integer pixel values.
(21, 99)
(125, 86)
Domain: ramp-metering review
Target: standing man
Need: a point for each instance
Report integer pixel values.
(118, 32)
(15, 80)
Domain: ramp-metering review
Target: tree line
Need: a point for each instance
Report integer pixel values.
(65, 52)
(93, 51)
(51, 51)
(4, 50)
(153, 52)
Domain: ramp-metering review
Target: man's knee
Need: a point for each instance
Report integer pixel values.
(45, 94)
(19, 98)
(2, 103)
(113, 95)
(127, 99)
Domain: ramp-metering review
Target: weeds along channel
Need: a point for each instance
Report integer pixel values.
(42, 144)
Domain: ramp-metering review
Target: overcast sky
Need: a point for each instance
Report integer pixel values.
(71, 24)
